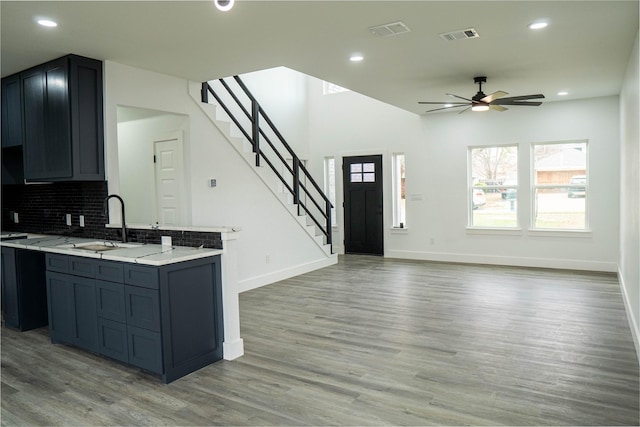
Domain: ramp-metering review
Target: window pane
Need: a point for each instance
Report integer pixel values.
(494, 186)
(356, 177)
(560, 177)
(557, 209)
(399, 194)
(356, 167)
(330, 185)
(368, 167)
(556, 164)
(369, 177)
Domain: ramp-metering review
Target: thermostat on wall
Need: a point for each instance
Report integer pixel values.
(212, 183)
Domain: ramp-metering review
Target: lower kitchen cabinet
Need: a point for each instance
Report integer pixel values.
(73, 315)
(24, 297)
(166, 320)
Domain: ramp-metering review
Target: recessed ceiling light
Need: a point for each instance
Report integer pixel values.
(563, 93)
(538, 25)
(356, 57)
(47, 23)
(224, 5)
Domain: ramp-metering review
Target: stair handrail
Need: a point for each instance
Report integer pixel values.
(254, 139)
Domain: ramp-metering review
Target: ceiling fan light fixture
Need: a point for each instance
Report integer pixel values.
(480, 107)
(356, 57)
(563, 93)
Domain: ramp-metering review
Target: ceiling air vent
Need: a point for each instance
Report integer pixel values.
(469, 33)
(391, 29)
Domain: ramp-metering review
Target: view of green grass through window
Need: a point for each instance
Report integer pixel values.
(494, 186)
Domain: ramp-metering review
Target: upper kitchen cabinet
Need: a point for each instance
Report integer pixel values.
(63, 138)
(11, 112)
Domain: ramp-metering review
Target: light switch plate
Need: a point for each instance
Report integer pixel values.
(212, 183)
(81, 220)
(68, 219)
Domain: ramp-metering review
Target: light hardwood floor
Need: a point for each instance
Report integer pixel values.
(370, 341)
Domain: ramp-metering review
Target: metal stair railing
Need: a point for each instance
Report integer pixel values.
(249, 118)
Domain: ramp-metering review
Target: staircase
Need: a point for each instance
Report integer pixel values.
(239, 116)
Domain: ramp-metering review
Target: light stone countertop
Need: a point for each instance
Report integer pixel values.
(137, 253)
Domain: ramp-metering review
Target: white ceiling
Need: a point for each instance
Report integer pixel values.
(584, 50)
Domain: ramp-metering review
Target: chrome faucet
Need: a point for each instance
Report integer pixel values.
(105, 206)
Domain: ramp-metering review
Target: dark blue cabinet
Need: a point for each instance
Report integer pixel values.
(24, 298)
(166, 320)
(60, 116)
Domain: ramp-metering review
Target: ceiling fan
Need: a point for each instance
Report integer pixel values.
(482, 102)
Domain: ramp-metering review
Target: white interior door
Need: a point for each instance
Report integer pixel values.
(169, 173)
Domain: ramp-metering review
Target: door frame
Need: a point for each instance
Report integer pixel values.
(340, 201)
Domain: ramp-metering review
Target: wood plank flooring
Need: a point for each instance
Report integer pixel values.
(370, 341)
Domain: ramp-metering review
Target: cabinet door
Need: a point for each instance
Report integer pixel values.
(145, 349)
(113, 341)
(143, 307)
(85, 322)
(33, 107)
(87, 133)
(11, 112)
(60, 305)
(110, 300)
(10, 301)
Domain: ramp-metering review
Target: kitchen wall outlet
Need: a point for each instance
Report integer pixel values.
(212, 183)
(15, 217)
(165, 240)
(68, 219)
(81, 220)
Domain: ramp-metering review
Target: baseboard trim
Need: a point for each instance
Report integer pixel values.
(563, 264)
(269, 278)
(233, 349)
(633, 325)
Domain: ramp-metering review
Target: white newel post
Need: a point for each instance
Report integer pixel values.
(233, 346)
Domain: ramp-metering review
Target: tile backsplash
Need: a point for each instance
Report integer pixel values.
(42, 208)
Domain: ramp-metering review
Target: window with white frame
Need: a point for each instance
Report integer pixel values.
(328, 88)
(399, 194)
(493, 186)
(560, 186)
(330, 185)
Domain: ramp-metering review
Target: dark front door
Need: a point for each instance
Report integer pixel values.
(363, 225)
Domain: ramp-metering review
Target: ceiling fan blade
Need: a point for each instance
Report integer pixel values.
(497, 107)
(495, 95)
(443, 102)
(529, 103)
(460, 97)
(465, 109)
(445, 108)
(518, 98)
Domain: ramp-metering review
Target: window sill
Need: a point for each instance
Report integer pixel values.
(495, 231)
(398, 230)
(560, 233)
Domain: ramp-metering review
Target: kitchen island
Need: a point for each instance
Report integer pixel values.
(155, 307)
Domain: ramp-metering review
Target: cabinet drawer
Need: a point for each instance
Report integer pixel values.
(110, 300)
(84, 267)
(113, 341)
(143, 307)
(110, 271)
(145, 349)
(147, 277)
(58, 263)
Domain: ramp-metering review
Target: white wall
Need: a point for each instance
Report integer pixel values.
(436, 175)
(630, 192)
(136, 168)
(271, 241)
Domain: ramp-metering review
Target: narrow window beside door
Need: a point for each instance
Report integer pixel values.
(399, 195)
